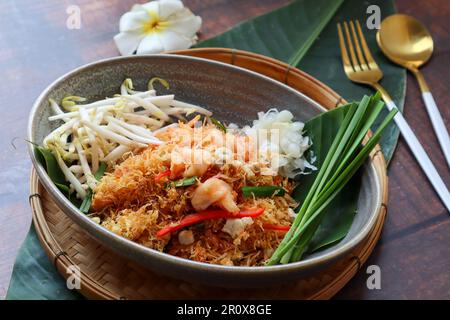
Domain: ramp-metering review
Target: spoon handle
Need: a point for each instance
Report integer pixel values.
(438, 124)
(421, 156)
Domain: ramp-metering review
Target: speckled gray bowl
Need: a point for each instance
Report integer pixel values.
(234, 95)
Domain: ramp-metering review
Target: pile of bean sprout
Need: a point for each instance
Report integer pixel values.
(104, 130)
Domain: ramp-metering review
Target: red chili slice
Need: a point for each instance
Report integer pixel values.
(194, 218)
(269, 226)
(161, 175)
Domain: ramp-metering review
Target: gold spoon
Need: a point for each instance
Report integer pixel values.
(407, 42)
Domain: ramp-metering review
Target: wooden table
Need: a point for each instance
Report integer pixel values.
(36, 47)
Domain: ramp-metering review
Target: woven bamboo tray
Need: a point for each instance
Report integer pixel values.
(106, 275)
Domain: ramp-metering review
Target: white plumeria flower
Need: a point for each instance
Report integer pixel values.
(157, 26)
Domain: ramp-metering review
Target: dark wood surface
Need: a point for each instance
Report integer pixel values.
(36, 47)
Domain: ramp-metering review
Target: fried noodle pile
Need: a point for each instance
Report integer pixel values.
(134, 202)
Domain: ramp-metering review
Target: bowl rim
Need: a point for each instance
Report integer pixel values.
(120, 242)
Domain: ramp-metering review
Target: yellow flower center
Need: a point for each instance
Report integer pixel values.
(154, 24)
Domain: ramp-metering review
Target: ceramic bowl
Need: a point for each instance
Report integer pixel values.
(234, 95)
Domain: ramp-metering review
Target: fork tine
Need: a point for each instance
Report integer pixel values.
(350, 47)
(365, 48)
(362, 61)
(345, 59)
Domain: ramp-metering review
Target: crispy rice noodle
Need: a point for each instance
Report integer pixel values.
(132, 204)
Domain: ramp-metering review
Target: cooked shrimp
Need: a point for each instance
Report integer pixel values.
(189, 162)
(214, 192)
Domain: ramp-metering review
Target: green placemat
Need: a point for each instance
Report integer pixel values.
(292, 34)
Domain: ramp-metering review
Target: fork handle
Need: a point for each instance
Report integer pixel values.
(421, 156)
(438, 124)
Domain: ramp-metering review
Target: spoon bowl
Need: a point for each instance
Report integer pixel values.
(405, 40)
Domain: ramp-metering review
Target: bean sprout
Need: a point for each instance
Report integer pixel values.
(106, 130)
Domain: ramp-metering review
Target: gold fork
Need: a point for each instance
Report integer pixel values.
(360, 67)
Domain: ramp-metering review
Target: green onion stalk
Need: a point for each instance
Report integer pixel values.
(344, 158)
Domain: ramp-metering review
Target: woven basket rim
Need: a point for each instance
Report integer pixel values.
(93, 290)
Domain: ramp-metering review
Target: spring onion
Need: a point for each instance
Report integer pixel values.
(87, 201)
(343, 160)
(218, 124)
(185, 182)
(262, 191)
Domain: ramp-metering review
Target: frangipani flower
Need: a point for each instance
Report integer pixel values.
(157, 26)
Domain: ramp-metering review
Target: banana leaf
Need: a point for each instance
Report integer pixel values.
(35, 277)
(285, 34)
(304, 34)
(47, 159)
